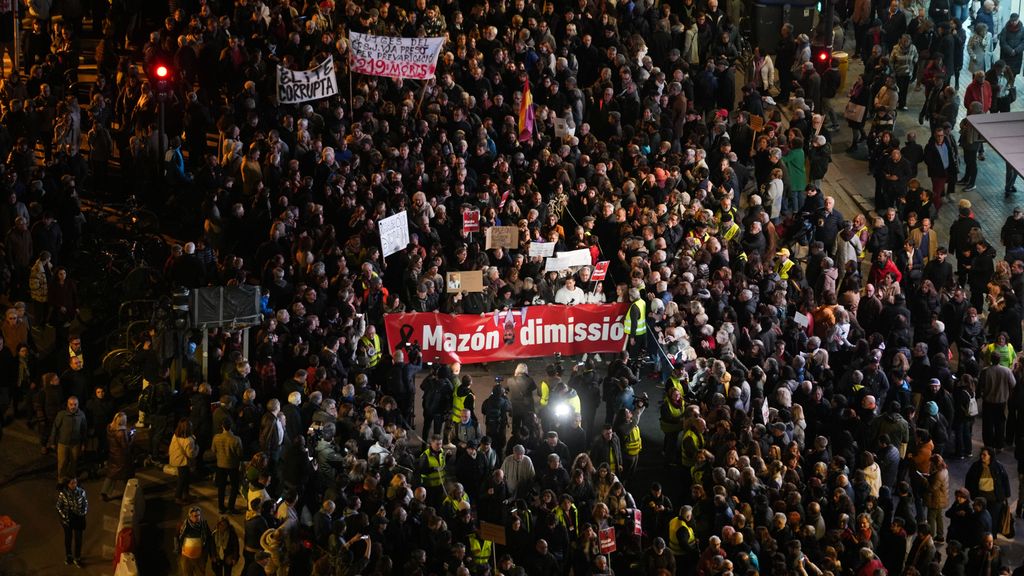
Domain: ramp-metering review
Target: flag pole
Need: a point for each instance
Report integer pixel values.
(423, 94)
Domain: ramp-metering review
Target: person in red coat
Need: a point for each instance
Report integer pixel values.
(883, 266)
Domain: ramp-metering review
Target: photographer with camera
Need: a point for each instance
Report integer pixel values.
(401, 383)
(496, 410)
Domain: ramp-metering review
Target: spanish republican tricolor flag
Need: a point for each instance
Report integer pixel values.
(526, 113)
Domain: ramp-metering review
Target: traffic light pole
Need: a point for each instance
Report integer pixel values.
(161, 99)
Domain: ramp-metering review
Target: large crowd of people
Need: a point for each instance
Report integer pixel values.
(817, 370)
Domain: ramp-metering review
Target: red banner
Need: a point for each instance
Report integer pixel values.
(528, 332)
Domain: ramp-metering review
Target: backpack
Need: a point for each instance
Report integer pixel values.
(972, 405)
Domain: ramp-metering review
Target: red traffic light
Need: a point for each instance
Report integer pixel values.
(161, 71)
(821, 56)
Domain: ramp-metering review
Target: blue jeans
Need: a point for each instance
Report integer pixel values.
(961, 12)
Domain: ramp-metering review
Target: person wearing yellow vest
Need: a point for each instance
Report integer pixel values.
(431, 467)
(730, 230)
(370, 343)
(455, 501)
(463, 398)
(554, 375)
(606, 449)
(672, 419)
(627, 426)
(691, 445)
(480, 550)
(568, 516)
(783, 264)
(636, 324)
(682, 540)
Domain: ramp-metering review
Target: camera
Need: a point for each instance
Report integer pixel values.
(642, 400)
(414, 352)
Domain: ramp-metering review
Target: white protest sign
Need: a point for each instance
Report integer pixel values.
(394, 233)
(414, 58)
(555, 264)
(543, 249)
(575, 258)
(304, 85)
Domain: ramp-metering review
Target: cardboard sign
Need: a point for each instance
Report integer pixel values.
(472, 281)
(493, 533)
(606, 538)
(756, 122)
(562, 130)
(471, 221)
(542, 249)
(414, 58)
(394, 233)
(600, 271)
(305, 85)
(502, 237)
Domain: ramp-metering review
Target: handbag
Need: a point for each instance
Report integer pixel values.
(972, 406)
(1013, 94)
(854, 112)
(1006, 527)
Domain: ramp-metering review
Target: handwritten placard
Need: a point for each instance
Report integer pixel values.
(502, 237)
(394, 233)
(414, 58)
(542, 249)
(305, 85)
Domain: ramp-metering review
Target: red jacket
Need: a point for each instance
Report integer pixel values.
(978, 92)
(880, 272)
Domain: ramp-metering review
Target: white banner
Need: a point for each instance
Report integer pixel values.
(543, 249)
(394, 233)
(294, 87)
(414, 58)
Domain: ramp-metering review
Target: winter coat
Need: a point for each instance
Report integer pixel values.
(979, 50)
(903, 61)
(819, 157)
(1012, 41)
(39, 282)
(182, 450)
(119, 457)
(999, 476)
(937, 496)
(72, 506)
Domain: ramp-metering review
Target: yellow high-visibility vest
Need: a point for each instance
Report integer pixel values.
(783, 268)
(373, 351)
(674, 425)
(731, 232)
(698, 441)
(674, 545)
(479, 550)
(458, 404)
(641, 321)
(435, 476)
(633, 441)
(570, 519)
(545, 393)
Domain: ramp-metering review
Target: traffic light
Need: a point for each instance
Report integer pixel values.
(822, 58)
(161, 77)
